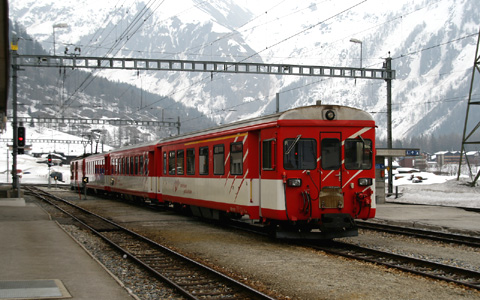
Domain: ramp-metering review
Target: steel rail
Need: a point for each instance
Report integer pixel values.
(404, 263)
(422, 233)
(241, 287)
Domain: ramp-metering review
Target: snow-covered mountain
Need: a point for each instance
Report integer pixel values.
(432, 44)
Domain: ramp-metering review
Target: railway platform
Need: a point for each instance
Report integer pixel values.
(442, 218)
(40, 261)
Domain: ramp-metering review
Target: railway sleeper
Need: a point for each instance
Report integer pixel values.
(196, 283)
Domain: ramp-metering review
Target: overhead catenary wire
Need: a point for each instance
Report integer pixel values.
(127, 32)
(271, 46)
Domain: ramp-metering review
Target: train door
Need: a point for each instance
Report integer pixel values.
(269, 186)
(331, 170)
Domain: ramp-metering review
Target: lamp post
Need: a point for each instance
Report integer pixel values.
(58, 25)
(356, 41)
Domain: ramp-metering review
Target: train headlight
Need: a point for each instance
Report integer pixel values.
(330, 115)
(365, 181)
(295, 182)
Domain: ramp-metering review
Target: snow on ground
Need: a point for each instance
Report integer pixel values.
(415, 188)
(33, 170)
(430, 189)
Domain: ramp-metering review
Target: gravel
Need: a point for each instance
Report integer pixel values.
(284, 270)
(138, 282)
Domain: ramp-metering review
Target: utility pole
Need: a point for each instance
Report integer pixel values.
(388, 68)
(469, 135)
(15, 68)
(277, 101)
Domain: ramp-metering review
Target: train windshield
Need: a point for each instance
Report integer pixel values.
(358, 154)
(302, 154)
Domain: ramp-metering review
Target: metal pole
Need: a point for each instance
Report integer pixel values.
(49, 172)
(15, 181)
(8, 164)
(361, 54)
(53, 40)
(388, 67)
(277, 110)
(178, 126)
(464, 139)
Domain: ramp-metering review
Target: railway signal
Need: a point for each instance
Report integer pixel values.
(21, 136)
(20, 139)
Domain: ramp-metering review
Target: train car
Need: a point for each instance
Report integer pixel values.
(132, 173)
(91, 169)
(128, 172)
(307, 172)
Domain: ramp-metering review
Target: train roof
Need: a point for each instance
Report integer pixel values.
(312, 112)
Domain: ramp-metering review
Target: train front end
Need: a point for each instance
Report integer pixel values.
(322, 172)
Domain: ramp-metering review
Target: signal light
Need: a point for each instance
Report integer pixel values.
(21, 136)
(49, 159)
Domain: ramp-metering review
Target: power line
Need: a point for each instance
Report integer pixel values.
(436, 46)
(88, 80)
(305, 30)
(274, 45)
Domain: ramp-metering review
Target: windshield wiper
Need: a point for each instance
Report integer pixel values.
(293, 144)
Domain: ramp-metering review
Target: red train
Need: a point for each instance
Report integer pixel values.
(306, 172)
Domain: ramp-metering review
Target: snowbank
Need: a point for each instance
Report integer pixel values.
(430, 189)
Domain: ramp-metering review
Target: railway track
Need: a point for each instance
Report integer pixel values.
(189, 278)
(472, 241)
(417, 266)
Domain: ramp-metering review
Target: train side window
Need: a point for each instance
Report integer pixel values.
(331, 154)
(191, 161)
(358, 154)
(127, 165)
(164, 163)
(136, 165)
(300, 154)
(171, 163)
(140, 165)
(268, 155)
(236, 158)
(180, 162)
(145, 168)
(131, 166)
(219, 160)
(203, 161)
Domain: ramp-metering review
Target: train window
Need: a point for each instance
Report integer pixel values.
(180, 162)
(127, 165)
(302, 155)
(145, 163)
(268, 155)
(164, 163)
(136, 165)
(171, 163)
(331, 154)
(140, 165)
(219, 160)
(191, 161)
(358, 154)
(236, 158)
(131, 166)
(203, 161)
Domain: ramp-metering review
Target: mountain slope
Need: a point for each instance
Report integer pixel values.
(431, 42)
